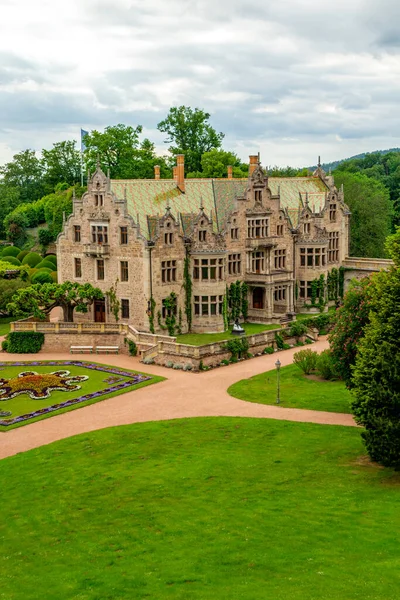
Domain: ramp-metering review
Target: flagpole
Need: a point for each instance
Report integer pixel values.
(81, 170)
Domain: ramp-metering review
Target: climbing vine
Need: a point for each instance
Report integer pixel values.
(150, 313)
(113, 300)
(187, 285)
(341, 282)
(245, 302)
(225, 310)
(237, 303)
(169, 304)
(333, 284)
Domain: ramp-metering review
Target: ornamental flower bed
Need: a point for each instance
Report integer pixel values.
(133, 380)
(39, 386)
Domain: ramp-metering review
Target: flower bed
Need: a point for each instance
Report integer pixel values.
(133, 379)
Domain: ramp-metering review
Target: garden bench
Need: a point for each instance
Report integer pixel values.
(107, 349)
(81, 349)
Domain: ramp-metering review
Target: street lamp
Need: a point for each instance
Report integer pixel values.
(278, 367)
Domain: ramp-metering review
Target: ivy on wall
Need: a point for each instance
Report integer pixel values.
(170, 304)
(187, 286)
(237, 302)
(151, 313)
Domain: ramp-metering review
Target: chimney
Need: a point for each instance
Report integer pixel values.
(253, 160)
(175, 173)
(156, 171)
(230, 172)
(180, 172)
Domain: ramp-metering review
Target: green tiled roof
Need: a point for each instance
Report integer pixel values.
(150, 197)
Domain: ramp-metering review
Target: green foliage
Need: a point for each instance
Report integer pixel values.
(22, 255)
(190, 134)
(113, 300)
(9, 199)
(268, 350)
(297, 329)
(237, 302)
(42, 276)
(32, 259)
(215, 164)
(321, 322)
(279, 341)
(371, 213)
(25, 173)
(11, 260)
(238, 348)
(349, 325)
(187, 286)
(62, 164)
(306, 360)
(24, 342)
(326, 365)
(10, 251)
(170, 305)
(332, 284)
(54, 276)
(4, 345)
(8, 287)
(133, 350)
(46, 264)
(393, 246)
(45, 237)
(151, 314)
(15, 225)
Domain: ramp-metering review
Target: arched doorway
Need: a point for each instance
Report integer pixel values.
(258, 297)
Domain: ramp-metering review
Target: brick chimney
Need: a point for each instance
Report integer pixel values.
(175, 173)
(253, 160)
(156, 171)
(230, 172)
(180, 171)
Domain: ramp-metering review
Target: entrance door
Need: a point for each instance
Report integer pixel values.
(258, 297)
(100, 311)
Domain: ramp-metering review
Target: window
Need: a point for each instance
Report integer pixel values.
(280, 259)
(206, 269)
(234, 264)
(332, 212)
(279, 293)
(100, 269)
(169, 307)
(258, 196)
(168, 238)
(123, 235)
(257, 228)
(124, 308)
(77, 233)
(202, 235)
(98, 199)
(124, 270)
(307, 227)
(333, 247)
(234, 233)
(168, 271)
(78, 267)
(208, 305)
(279, 230)
(257, 262)
(99, 234)
(312, 257)
(305, 289)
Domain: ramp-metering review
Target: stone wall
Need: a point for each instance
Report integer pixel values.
(61, 342)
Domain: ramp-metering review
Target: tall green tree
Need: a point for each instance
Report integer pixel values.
(376, 377)
(190, 133)
(61, 164)
(215, 164)
(9, 199)
(371, 213)
(116, 148)
(24, 172)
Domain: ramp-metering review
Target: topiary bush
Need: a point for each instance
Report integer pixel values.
(326, 366)
(4, 345)
(306, 360)
(42, 276)
(52, 258)
(24, 342)
(12, 260)
(22, 255)
(54, 276)
(11, 251)
(46, 264)
(32, 259)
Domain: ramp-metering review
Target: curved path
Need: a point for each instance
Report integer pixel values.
(183, 394)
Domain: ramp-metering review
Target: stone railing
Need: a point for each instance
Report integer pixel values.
(63, 327)
(367, 264)
(142, 337)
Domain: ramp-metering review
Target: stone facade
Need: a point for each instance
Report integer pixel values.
(277, 235)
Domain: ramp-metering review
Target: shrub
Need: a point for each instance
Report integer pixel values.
(187, 367)
(11, 251)
(201, 366)
(326, 366)
(169, 364)
(286, 347)
(54, 276)
(42, 276)
(233, 359)
(45, 237)
(308, 341)
(24, 342)
(279, 341)
(46, 264)
(148, 361)
(177, 366)
(224, 362)
(32, 259)
(268, 350)
(297, 329)
(4, 345)
(22, 255)
(132, 348)
(238, 347)
(306, 360)
(12, 260)
(298, 344)
(52, 258)
(32, 272)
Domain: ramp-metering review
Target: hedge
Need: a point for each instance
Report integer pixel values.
(22, 255)
(42, 276)
(12, 260)
(46, 264)
(11, 251)
(32, 259)
(52, 258)
(24, 342)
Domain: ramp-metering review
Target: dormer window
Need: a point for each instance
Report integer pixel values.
(332, 212)
(168, 238)
(98, 199)
(258, 195)
(307, 227)
(202, 235)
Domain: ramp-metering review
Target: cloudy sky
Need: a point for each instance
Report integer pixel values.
(289, 78)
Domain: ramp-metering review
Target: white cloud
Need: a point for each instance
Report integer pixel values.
(292, 78)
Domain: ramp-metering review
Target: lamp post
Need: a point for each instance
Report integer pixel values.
(278, 367)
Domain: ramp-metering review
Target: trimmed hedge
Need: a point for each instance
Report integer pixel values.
(32, 259)
(42, 276)
(52, 258)
(11, 251)
(22, 255)
(54, 276)
(12, 260)
(24, 342)
(46, 264)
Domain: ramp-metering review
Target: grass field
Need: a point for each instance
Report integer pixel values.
(198, 339)
(296, 391)
(5, 325)
(200, 509)
(23, 404)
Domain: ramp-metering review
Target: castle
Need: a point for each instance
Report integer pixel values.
(171, 247)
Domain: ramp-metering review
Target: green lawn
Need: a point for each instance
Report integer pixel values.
(4, 325)
(200, 509)
(199, 339)
(23, 404)
(297, 391)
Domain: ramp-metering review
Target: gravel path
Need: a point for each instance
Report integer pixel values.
(183, 394)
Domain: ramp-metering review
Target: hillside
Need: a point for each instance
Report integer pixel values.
(336, 163)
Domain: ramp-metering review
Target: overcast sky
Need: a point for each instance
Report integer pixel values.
(289, 78)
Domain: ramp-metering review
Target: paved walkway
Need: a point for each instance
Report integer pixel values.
(183, 394)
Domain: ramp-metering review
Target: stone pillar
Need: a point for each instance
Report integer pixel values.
(230, 172)
(156, 171)
(270, 301)
(180, 171)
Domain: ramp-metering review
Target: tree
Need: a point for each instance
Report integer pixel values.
(16, 224)
(24, 172)
(190, 134)
(349, 325)
(62, 164)
(8, 287)
(376, 378)
(9, 199)
(371, 213)
(38, 300)
(116, 148)
(215, 164)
